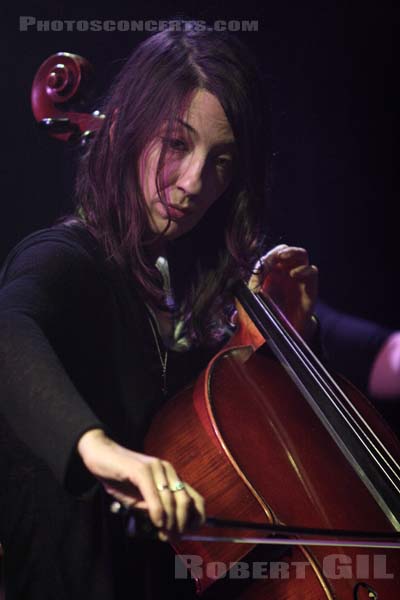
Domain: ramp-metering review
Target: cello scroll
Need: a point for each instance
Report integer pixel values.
(61, 86)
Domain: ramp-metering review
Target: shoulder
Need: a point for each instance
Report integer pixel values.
(60, 250)
(56, 269)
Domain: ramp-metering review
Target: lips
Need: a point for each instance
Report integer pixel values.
(176, 212)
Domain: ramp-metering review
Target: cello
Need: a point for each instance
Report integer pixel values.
(285, 442)
(338, 459)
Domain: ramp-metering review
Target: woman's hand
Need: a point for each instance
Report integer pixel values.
(287, 276)
(142, 482)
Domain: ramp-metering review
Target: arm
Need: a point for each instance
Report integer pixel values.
(44, 287)
(363, 351)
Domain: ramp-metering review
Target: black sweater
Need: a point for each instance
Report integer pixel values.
(76, 350)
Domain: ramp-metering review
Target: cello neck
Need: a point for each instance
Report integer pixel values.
(362, 448)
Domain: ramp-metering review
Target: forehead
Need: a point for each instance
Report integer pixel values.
(206, 118)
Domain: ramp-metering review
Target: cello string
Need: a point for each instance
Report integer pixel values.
(312, 358)
(310, 367)
(326, 376)
(368, 444)
(385, 497)
(336, 403)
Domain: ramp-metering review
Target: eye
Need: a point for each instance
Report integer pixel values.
(223, 162)
(175, 144)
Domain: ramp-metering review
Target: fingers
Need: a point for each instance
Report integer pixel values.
(146, 483)
(307, 275)
(173, 506)
(193, 512)
(270, 259)
(291, 259)
(199, 515)
(183, 507)
(181, 501)
(167, 508)
(132, 481)
(304, 273)
(162, 484)
(264, 266)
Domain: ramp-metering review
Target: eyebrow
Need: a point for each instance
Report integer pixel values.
(185, 124)
(193, 130)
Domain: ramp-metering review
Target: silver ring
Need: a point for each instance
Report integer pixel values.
(177, 487)
(162, 486)
(115, 507)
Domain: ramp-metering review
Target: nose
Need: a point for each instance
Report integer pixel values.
(190, 179)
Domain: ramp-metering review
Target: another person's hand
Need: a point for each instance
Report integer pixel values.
(287, 276)
(142, 482)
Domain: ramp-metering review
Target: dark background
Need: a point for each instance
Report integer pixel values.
(333, 77)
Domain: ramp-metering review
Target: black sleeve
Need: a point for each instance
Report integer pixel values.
(349, 343)
(45, 283)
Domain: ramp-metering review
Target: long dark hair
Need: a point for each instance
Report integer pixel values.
(152, 88)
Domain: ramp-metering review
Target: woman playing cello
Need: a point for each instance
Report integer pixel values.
(106, 314)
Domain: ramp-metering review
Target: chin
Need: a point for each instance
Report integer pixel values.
(173, 232)
(175, 229)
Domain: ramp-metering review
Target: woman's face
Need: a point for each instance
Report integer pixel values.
(197, 169)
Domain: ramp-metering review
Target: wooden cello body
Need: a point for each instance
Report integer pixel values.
(245, 438)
